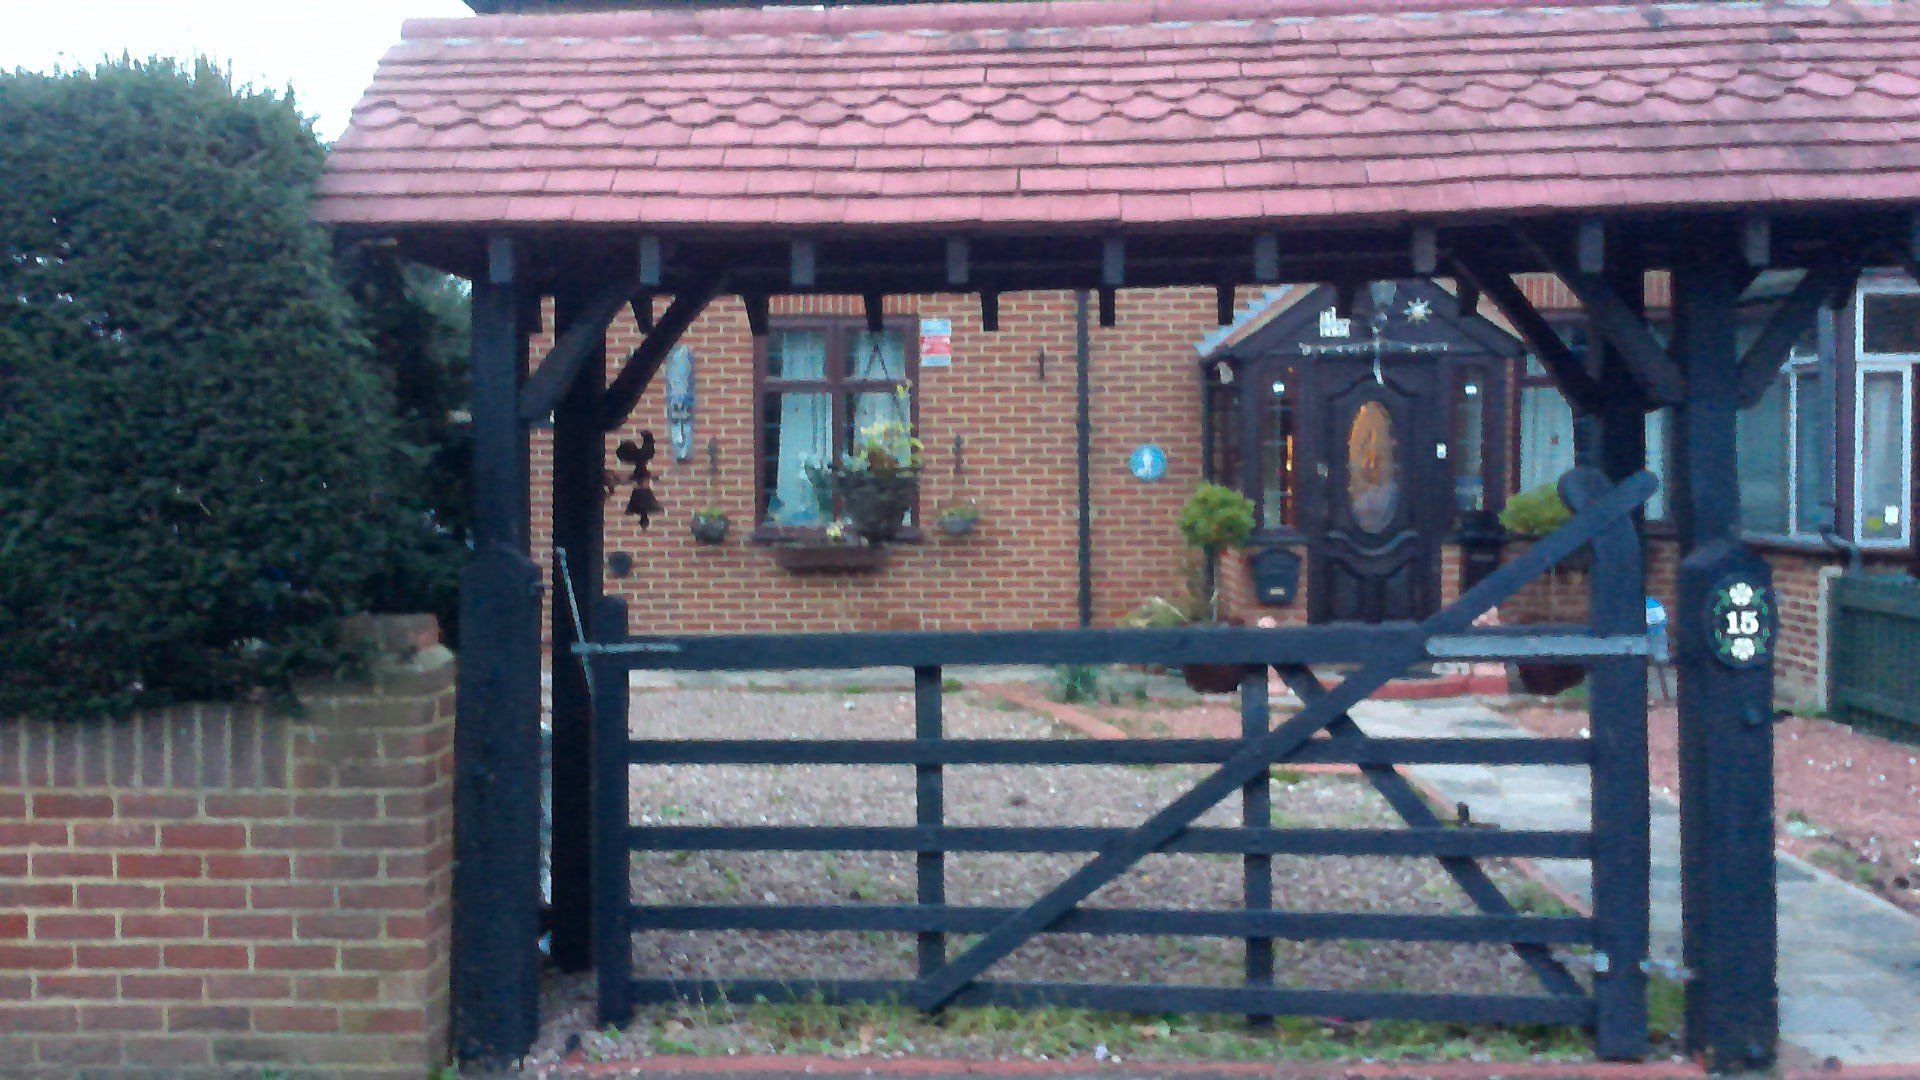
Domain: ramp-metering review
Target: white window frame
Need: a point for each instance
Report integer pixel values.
(1797, 367)
(1864, 364)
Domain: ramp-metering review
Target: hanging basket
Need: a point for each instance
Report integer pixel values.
(877, 505)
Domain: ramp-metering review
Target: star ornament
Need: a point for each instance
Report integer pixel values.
(1419, 311)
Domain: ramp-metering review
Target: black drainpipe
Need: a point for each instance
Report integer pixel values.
(1083, 446)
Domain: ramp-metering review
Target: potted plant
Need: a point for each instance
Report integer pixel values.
(958, 518)
(1214, 519)
(1531, 515)
(710, 525)
(878, 478)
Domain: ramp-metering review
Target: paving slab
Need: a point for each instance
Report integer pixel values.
(1849, 961)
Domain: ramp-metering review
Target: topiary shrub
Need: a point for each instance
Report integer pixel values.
(1216, 518)
(198, 467)
(1535, 513)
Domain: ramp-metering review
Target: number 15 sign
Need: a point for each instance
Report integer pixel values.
(1740, 623)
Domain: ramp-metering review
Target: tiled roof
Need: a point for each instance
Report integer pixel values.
(1129, 113)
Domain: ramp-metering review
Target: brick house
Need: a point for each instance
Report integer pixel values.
(997, 412)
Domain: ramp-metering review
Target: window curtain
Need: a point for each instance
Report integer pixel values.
(1546, 437)
(805, 436)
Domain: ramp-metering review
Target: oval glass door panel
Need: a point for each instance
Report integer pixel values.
(1373, 471)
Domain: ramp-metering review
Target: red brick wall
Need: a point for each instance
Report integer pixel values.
(216, 890)
(1018, 569)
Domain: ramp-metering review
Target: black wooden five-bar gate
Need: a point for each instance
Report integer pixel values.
(1613, 644)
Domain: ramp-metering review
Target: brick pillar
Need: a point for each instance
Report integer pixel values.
(216, 889)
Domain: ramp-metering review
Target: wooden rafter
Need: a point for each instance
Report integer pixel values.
(549, 382)
(1618, 321)
(1834, 272)
(624, 392)
(1483, 279)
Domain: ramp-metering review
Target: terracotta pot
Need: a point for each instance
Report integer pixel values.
(1213, 678)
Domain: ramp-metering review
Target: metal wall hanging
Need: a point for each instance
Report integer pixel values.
(682, 398)
(642, 504)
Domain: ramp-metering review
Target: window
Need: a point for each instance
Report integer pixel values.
(1888, 340)
(1547, 443)
(1279, 440)
(1780, 445)
(821, 382)
(1467, 447)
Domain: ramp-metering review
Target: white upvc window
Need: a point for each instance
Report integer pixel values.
(1781, 447)
(1886, 346)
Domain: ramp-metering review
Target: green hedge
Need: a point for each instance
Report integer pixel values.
(199, 466)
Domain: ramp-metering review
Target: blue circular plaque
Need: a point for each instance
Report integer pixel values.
(1148, 463)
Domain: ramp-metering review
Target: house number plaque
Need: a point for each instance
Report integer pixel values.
(1740, 623)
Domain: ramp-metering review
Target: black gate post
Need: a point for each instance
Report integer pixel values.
(1618, 717)
(579, 460)
(1726, 734)
(496, 873)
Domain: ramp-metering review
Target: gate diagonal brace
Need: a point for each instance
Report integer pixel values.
(935, 989)
(1414, 811)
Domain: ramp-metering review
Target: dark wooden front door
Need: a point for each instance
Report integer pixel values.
(1385, 493)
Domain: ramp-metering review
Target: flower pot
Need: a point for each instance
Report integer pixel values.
(829, 558)
(1213, 678)
(1548, 679)
(709, 530)
(957, 526)
(876, 505)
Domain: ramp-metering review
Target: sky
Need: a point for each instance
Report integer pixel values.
(324, 49)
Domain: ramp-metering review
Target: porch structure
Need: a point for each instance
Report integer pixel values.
(606, 159)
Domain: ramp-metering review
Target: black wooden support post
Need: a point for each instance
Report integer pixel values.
(612, 892)
(930, 867)
(1726, 734)
(1256, 812)
(496, 901)
(579, 449)
(1618, 722)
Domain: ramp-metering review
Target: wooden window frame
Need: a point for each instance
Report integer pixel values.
(838, 329)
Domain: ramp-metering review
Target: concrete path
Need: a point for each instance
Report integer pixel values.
(1849, 961)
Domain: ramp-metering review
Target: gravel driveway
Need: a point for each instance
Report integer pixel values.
(1053, 795)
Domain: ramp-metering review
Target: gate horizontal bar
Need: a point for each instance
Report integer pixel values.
(1330, 644)
(1287, 925)
(1500, 751)
(1155, 999)
(1468, 842)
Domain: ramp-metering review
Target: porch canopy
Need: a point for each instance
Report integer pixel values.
(611, 157)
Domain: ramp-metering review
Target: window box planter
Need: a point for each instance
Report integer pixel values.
(829, 558)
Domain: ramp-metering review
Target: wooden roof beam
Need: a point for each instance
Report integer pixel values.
(1614, 318)
(1479, 277)
(1834, 274)
(624, 392)
(549, 382)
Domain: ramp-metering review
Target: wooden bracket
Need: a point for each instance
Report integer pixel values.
(549, 382)
(876, 308)
(1618, 321)
(990, 310)
(1109, 308)
(1266, 258)
(959, 260)
(1223, 303)
(1425, 254)
(1480, 277)
(1834, 272)
(624, 392)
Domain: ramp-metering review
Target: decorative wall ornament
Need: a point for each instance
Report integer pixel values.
(642, 504)
(682, 399)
